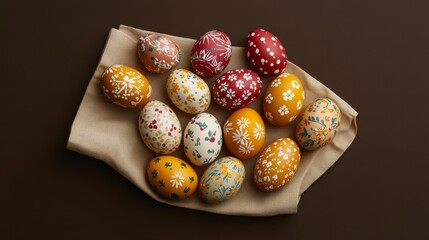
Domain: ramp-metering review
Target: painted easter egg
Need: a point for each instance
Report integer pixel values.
(283, 99)
(158, 53)
(276, 165)
(188, 92)
(172, 177)
(236, 89)
(125, 86)
(202, 139)
(222, 180)
(160, 128)
(318, 124)
(244, 133)
(265, 53)
(211, 53)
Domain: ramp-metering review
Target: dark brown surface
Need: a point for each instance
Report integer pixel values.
(374, 54)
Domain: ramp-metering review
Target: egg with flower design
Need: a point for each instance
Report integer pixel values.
(188, 92)
(158, 53)
(283, 99)
(244, 133)
(318, 124)
(211, 53)
(202, 140)
(172, 177)
(276, 165)
(125, 86)
(159, 127)
(222, 180)
(236, 89)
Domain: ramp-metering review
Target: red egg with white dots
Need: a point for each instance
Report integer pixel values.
(236, 89)
(265, 53)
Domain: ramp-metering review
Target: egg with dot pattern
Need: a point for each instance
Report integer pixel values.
(172, 177)
(276, 165)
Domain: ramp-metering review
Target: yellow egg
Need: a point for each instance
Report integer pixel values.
(283, 99)
(277, 164)
(318, 124)
(244, 133)
(172, 177)
(125, 86)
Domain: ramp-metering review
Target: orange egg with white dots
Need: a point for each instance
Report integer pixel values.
(277, 165)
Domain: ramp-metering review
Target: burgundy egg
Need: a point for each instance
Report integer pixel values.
(211, 53)
(265, 53)
(236, 89)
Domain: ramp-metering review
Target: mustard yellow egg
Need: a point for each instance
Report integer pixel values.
(125, 86)
(283, 99)
(172, 177)
(244, 133)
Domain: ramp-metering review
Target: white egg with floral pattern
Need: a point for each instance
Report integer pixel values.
(188, 91)
(222, 180)
(202, 139)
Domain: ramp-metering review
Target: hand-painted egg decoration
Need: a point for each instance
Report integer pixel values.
(160, 128)
(158, 53)
(202, 139)
(244, 133)
(172, 177)
(222, 180)
(265, 53)
(318, 124)
(211, 53)
(125, 86)
(188, 92)
(283, 99)
(277, 164)
(236, 89)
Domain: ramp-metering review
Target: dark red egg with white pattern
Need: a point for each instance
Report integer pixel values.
(211, 53)
(236, 89)
(265, 53)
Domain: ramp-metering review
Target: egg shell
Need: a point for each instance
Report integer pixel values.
(318, 124)
(244, 133)
(172, 177)
(202, 139)
(211, 53)
(188, 92)
(283, 99)
(125, 86)
(222, 180)
(265, 53)
(236, 89)
(158, 53)
(160, 128)
(276, 165)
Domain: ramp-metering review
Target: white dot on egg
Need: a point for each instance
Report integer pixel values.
(261, 69)
(273, 38)
(271, 64)
(262, 39)
(257, 50)
(268, 49)
(278, 61)
(281, 47)
(271, 53)
(276, 71)
(265, 72)
(253, 34)
(248, 53)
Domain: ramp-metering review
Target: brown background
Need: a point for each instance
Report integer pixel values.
(373, 54)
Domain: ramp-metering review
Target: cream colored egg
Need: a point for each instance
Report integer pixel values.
(160, 128)
(202, 139)
(188, 92)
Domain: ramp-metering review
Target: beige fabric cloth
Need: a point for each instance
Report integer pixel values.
(107, 132)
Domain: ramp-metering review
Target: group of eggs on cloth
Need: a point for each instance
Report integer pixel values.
(243, 132)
